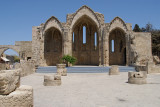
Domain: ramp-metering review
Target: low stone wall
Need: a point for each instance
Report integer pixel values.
(21, 97)
(28, 67)
(152, 68)
(141, 68)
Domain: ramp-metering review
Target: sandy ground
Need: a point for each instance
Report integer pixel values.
(95, 90)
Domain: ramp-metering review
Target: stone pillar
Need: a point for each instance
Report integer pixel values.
(100, 47)
(67, 42)
(114, 70)
(137, 77)
(127, 48)
(106, 49)
(61, 69)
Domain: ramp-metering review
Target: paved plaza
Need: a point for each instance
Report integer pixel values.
(94, 90)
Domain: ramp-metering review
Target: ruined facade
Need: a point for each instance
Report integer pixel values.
(86, 36)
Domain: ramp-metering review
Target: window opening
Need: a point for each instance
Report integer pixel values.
(112, 45)
(84, 34)
(73, 37)
(95, 40)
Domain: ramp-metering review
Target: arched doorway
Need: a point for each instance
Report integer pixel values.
(117, 47)
(52, 46)
(8, 59)
(85, 41)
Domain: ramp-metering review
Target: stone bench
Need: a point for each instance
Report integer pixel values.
(137, 77)
(52, 80)
(114, 70)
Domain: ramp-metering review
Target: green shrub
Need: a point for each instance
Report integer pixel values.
(68, 58)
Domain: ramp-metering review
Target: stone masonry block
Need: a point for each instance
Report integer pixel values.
(61, 69)
(9, 81)
(114, 70)
(51, 80)
(57, 77)
(21, 97)
(137, 77)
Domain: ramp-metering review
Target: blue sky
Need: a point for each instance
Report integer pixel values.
(18, 16)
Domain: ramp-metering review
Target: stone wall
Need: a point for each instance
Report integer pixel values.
(25, 49)
(28, 67)
(143, 48)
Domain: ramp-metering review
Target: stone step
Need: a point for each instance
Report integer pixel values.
(53, 69)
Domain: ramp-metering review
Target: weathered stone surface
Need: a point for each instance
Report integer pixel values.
(152, 68)
(57, 77)
(114, 70)
(9, 81)
(156, 59)
(61, 69)
(51, 80)
(21, 97)
(137, 77)
(28, 67)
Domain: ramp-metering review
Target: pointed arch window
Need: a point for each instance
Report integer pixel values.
(95, 40)
(73, 37)
(112, 45)
(84, 34)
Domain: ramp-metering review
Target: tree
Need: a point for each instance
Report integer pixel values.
(16, 59)
(69, 59)
(136, 28)
(149, 27)
(156, 42)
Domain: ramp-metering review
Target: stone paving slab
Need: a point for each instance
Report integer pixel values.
(95, 90)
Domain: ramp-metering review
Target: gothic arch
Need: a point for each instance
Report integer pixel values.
(53, 46)
(117, 47)
(85, 11)
(52, 22)
(84, 49)
(117, 22)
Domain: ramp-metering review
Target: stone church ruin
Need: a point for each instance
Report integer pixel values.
(86, 36)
